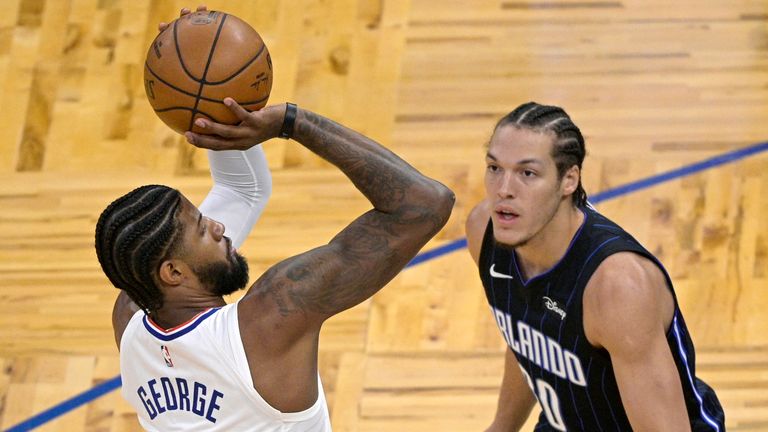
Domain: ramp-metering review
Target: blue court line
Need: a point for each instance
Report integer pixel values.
(68, 405)
(438, 251)
(114, 383)
(680, 172)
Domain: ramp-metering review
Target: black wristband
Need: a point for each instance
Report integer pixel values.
(286, 131)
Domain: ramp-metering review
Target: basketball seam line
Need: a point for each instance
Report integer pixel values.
(205, 71)
(205, 98)
(250, 62)
(178, 53)
(192, 77)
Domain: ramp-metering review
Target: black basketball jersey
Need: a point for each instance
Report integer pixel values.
(541, 321)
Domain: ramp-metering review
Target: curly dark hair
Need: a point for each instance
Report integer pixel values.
(133, 235)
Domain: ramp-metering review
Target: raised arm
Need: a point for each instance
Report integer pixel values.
(242, 185)
(408, 209)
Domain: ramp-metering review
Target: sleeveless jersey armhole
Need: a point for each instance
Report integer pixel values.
(130, 328)
(244, 370)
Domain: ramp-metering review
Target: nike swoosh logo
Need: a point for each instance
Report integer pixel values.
(499, 275)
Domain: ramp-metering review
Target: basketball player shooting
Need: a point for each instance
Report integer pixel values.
(188, 360)
(593, 327)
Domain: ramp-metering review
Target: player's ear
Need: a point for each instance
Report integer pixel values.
(171, 272)
(570, 180)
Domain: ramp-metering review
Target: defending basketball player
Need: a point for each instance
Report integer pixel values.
(188, 360)
(593, 327)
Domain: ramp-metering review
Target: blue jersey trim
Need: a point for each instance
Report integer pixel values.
(169, 337)
(681, 350)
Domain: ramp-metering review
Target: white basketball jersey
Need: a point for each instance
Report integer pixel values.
(195, 377)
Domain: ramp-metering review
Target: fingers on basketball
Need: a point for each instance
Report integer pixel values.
(240, 112)
(208, 56)
(219, 129)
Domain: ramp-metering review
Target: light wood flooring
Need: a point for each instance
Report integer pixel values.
(654, 85)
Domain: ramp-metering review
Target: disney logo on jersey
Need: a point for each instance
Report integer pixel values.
(496, 274)
(552, 305)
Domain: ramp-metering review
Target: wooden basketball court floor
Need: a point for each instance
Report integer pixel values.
(654, 86)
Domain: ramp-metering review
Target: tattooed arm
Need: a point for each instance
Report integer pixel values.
(281, 315)
(408, 209)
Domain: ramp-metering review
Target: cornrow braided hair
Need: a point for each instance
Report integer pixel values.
(133, 235)
(568, 149)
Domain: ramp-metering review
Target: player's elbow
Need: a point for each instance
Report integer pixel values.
(256, 190)
(441, 202)
(447, 200)
(425, 208)
(264, 189)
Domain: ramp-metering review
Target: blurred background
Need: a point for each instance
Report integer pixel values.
(653, 85)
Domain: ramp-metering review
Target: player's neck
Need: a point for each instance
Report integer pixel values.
(175, 313)
(548, 246)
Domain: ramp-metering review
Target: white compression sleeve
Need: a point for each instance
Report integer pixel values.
(242, 185)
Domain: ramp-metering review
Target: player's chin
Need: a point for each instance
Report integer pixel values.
(240, 271)
(509, 239)
(234, 278)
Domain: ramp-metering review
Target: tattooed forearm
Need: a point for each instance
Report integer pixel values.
(409, 209)
(367, 254)
(380, 175)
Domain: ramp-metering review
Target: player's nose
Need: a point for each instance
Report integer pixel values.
(218, 230)
(506, 187)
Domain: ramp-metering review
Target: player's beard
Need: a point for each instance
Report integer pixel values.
(225, 277)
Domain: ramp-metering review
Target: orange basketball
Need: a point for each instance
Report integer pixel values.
(200, 59)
